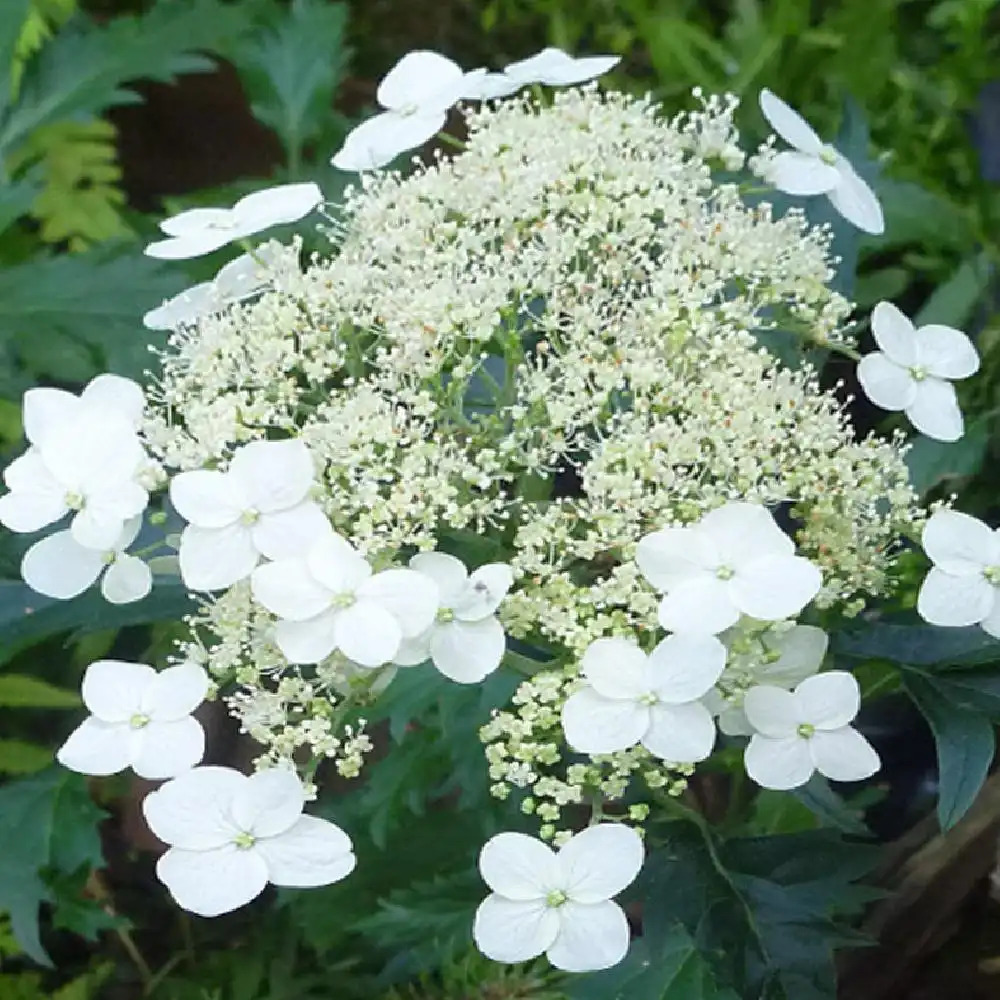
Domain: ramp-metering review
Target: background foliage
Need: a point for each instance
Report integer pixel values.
(750, 906)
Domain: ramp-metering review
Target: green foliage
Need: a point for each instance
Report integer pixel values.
(19, 691)
(48, 824)
(43, 17)
(21, 757)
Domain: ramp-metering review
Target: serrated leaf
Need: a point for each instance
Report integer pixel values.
(20, 691)
(965, 745)
(13, 15)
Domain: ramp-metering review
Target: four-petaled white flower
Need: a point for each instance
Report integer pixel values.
(329, 599)
(913, 369)
(466, 641)
(551, 66)
(630, 698)
(240, 279)
(558, 902)
(816, 168)
(59, 566)
(141, 719)
(256, 508)
(45, 409)
(230, 835)
(790, 657)
(734, 561)
(963, 587)
(416, 93)
(86, 465)
(806, 730)
(199, 231)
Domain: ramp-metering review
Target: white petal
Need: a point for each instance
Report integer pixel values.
(684, 667)
(771, 711)
(367, 633)
(287, 589)
(309, 641)
(117, 394)
(775, 587)
(46, 408)
(207, 498)
(194, 221)
(275, 206)
(484, 593)
(955, 600)
(960, 544)
(273, 475)
(599, 862)
(213, 882)
(991, 623)
(93, 453)
(946, 352)
(379, 140)
(113, 689)
(414, 651)
(616, 668)
(843, 755)
(699, 605)
(130, 531)
(417, 79)
(490, 87)
(556, 68)
(779, 764)
(97, 748)
(801, 652)
(829, 700)
(672, 556)
(733, 721)
(518, 867)
(184, 309)
(885, 383)
(289, 533)
(591, 937)
(595, 724)
(313, 852)
(335, 563)
(166, 749)
(935, 411)
(244, 275)
(789, 124)
(681, 734)
(467, 652)
(188, 247)
(216, 558)
(410, 597)
(856, 201)
(742, 533)
(96, 527)
(514, 931)
(175, 692)
(58, 566)
(128, 579)
(894, 334)
(269, 803)
(27, 511)
(802, 174)
(446, 571)
(193, 810)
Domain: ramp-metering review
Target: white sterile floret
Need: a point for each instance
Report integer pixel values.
(230, 835)
(558, 902)
(258, 507)
(240, 279)
(787, 658)
(630, 698)
(963, 587)
(806, 730)
(59, 566)
(86, 465)
(466, 641)
(913, 371)
(817, 168)
(45, 409)
(141, 719)
(416, 93)
(199, 231)
(735, 560)
(329, 599)
(551, 66)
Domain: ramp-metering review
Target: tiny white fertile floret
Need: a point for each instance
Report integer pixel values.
(914, 369)
(630, 698)
(797, 733)
(140, 719)
(558, 902)
(963, 586)
(814, 168)
(230, 835)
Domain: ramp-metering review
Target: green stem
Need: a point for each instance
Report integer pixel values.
(450, 140)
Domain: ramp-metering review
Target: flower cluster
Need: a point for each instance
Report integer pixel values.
(524, 395)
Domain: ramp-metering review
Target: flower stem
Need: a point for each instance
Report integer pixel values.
(450, 140)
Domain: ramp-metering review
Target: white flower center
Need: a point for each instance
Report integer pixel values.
(556, 898)
(139, 721)
(806, 730)
(445, 615)
(244, 840)
(343, 600)
(829, 156)
(74, 501)
(649, 698)
(249, 516)
(992, 574)
(918, 373)
(725, 572)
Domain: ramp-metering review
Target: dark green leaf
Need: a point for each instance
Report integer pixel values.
(917, 644)
(965, 746)
(12, 17)
(952, 303)
(829, 808)
(20, 691)
(15, 199)
(933, 462)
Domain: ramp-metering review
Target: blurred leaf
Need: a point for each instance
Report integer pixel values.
(20, 691)
(953, 302)
(931, 462)
(44, 16)
(19, 757)
(15, 200)
(829, 808)
(965, 747)
(917, 644)
(916, 215)
(13, 15)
